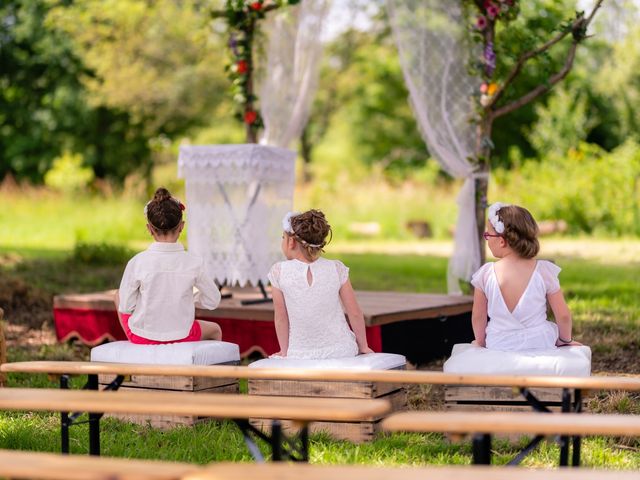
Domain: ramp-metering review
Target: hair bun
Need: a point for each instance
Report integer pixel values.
(161, 195)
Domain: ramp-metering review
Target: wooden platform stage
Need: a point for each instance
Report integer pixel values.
(422, 327)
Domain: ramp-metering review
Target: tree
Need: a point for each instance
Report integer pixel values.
(158, 61)
(495, 101)
(44, 108)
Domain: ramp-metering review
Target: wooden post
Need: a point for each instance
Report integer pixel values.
(3, 349)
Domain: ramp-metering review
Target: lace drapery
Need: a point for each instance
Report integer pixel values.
(290, 77)
(430, 36)
(236, 198)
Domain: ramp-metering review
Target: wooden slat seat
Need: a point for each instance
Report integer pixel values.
(229, 471)
(390, 376)
(482, 425)
(24, 464)
(514, 422)
(204, 404)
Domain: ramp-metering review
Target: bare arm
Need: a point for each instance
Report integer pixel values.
(281, 320)
(354, 316)
(563, 318)
(479, 317)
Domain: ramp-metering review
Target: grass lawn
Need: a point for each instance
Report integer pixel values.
(603, 298)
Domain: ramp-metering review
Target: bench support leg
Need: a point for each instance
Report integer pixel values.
(565, 440)
(64, 419)
(94, 421)
(482, 449)
(577, 407)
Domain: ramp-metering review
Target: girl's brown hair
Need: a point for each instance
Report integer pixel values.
(311, 229)
(520, 230)
(164, 212)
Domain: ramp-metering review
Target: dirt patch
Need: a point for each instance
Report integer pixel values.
(24, 304)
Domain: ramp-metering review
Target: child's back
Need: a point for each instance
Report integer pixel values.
(317, 326)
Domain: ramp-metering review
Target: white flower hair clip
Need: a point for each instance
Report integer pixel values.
(494, 218)
(286, 222)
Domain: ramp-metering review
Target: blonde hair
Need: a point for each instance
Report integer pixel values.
(311, 229)
(520, 230)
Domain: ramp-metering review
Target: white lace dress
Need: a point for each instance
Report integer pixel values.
(318, 327)
(526, 327)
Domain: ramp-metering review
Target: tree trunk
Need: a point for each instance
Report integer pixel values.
(483, 154)
(305, 151)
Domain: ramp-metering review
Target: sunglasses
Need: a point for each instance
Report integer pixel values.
(487, 235)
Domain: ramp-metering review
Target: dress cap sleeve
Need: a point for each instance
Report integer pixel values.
(479, 279)
(274, 275)
(343, 271)
(549, 272)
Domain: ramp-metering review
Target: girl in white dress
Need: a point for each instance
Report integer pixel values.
(309, 293)
(510, 298)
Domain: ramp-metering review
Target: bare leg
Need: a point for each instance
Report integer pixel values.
(210, 330)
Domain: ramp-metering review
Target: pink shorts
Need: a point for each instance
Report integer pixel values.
(195, 334)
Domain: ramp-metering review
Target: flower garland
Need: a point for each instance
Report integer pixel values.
(243, 18)
(486, 14)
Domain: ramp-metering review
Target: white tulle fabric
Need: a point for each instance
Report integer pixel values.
(236, 198)
(318, 327)
(289, 80)
(434, 54)
(526, 327)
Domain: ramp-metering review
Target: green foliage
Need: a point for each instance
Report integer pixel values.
(68, 174)
(100, 253)
(44, 109)
(592, 190)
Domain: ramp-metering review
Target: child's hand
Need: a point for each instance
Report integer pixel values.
(278, 354)
(478, 344)
(366, 350)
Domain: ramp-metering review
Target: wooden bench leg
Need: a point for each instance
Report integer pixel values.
(482, 449)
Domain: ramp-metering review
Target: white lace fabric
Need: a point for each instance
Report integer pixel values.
(318, 327)
(236, 196)
(430, 36)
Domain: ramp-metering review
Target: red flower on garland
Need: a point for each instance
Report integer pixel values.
(250, 117)
(242, 67)
(257, 6)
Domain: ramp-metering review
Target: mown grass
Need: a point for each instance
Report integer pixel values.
(37, 260)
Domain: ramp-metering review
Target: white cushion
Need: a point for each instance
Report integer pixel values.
(368, 361)
(206, 352)
(574, 361)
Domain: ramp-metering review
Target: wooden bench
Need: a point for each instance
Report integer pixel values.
(238, 408)
(25, 464)
(482, 425)
(280, 471)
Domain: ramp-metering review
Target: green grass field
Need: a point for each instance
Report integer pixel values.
(37, 260)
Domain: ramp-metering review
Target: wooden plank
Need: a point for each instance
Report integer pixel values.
(628, 383)
(494, 407)
(170, 421)
(296, 471)
(49, 466)
(514, 422)
(201, 404)
(182, 382)
(378, 307)
(296, 388)
(475, 393)
(353, 431)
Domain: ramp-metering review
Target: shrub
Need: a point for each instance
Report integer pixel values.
(101, 253)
